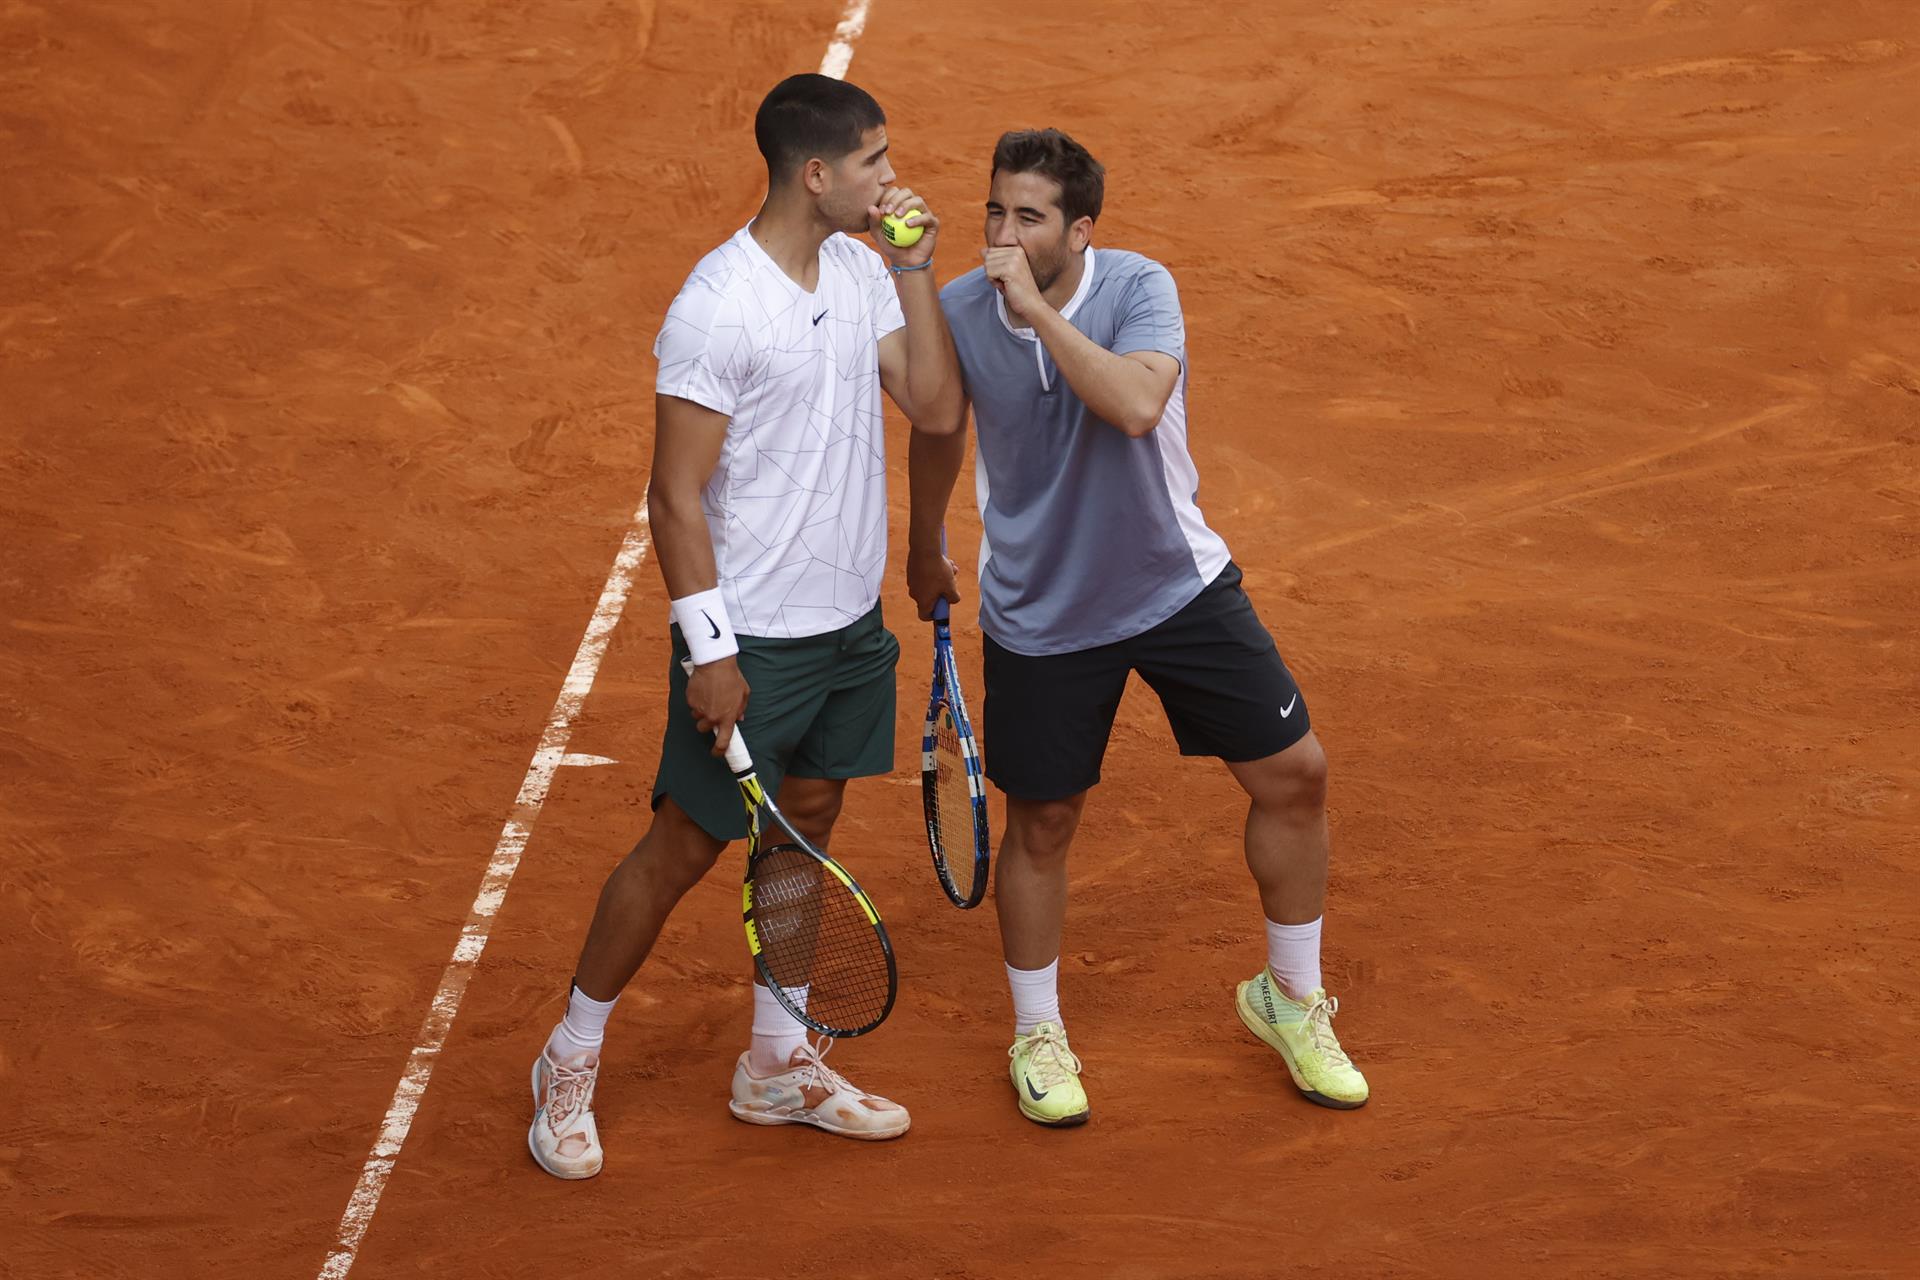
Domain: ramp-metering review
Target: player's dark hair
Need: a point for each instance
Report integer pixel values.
(808, 116)
(1052, 154)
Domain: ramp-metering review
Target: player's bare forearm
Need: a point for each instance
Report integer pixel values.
(929, 393)
(933, 465)
(682, 543)
(1121, 390)
(918, 366)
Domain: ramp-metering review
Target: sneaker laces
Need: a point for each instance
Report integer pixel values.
(1317, 1022)
(1051, 1061)
(819, 1074)
(569, 1091)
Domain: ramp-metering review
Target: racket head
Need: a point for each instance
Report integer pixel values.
(816, 938)
(953, 786)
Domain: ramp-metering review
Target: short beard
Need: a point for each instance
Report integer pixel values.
(1056, 267)
(851, 221)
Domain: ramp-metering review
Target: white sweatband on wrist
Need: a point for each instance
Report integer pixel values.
(703, 622)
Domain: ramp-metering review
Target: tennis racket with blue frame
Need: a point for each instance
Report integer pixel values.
(953, 783)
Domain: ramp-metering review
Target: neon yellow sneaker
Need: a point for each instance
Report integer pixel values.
(1302, 1034)
(1046, 1078)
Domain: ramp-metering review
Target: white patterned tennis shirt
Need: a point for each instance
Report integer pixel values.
(797, 506)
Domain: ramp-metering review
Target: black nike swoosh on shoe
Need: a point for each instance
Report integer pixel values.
(1037, 1097)
(711, 623)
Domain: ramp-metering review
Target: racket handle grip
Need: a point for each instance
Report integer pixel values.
(940, 605)
(738, 758)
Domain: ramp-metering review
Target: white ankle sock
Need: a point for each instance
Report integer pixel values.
(1036, 996)
(577, 1040)
(1293, 953)
(776, 1033)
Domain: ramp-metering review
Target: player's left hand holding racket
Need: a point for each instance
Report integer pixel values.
(815, 936)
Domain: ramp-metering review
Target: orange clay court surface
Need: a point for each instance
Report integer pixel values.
(1556, 378)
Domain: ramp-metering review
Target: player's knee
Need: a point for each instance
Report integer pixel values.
(1043, 832)
(1294, 782)
(1310, 774)
(675, 850)
(812, 809)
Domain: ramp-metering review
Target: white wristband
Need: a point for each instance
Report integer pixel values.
(703, 622)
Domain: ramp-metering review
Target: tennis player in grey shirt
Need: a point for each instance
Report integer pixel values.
(1097, 562)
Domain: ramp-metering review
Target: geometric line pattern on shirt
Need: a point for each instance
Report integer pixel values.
(796, 506)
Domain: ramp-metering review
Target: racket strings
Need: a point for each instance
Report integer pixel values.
(952, 791)
(815, 934)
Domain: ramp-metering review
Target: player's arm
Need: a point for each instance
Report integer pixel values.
(687, 438)
(933, 465)
(1128, 391)
(918, 366)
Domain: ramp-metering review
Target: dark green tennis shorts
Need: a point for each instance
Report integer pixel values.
(819, 707)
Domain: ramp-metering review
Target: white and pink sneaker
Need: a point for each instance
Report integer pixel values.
(811, 1092)
(564, 1138)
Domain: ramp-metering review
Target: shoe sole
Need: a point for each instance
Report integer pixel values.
(1064, 1122)
(1261, 1032)
(773, 1118)
(571, 1175)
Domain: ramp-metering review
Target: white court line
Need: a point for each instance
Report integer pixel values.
(840, 53)
(548, 757)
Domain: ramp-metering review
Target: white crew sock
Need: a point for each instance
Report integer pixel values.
(1293, 953)
(1036, 996)
(576, 1041)
(776, 1033)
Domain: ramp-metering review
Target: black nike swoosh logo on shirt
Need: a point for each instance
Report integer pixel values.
(711, 623)
(822, 316)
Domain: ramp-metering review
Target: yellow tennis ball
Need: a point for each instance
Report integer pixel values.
(901, 236)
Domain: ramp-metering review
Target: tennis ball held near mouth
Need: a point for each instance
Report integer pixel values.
(901, 236)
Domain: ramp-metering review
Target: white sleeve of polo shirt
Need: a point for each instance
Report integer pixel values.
(704, 349)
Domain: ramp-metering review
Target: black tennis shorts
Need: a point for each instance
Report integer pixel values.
(1220, 678)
